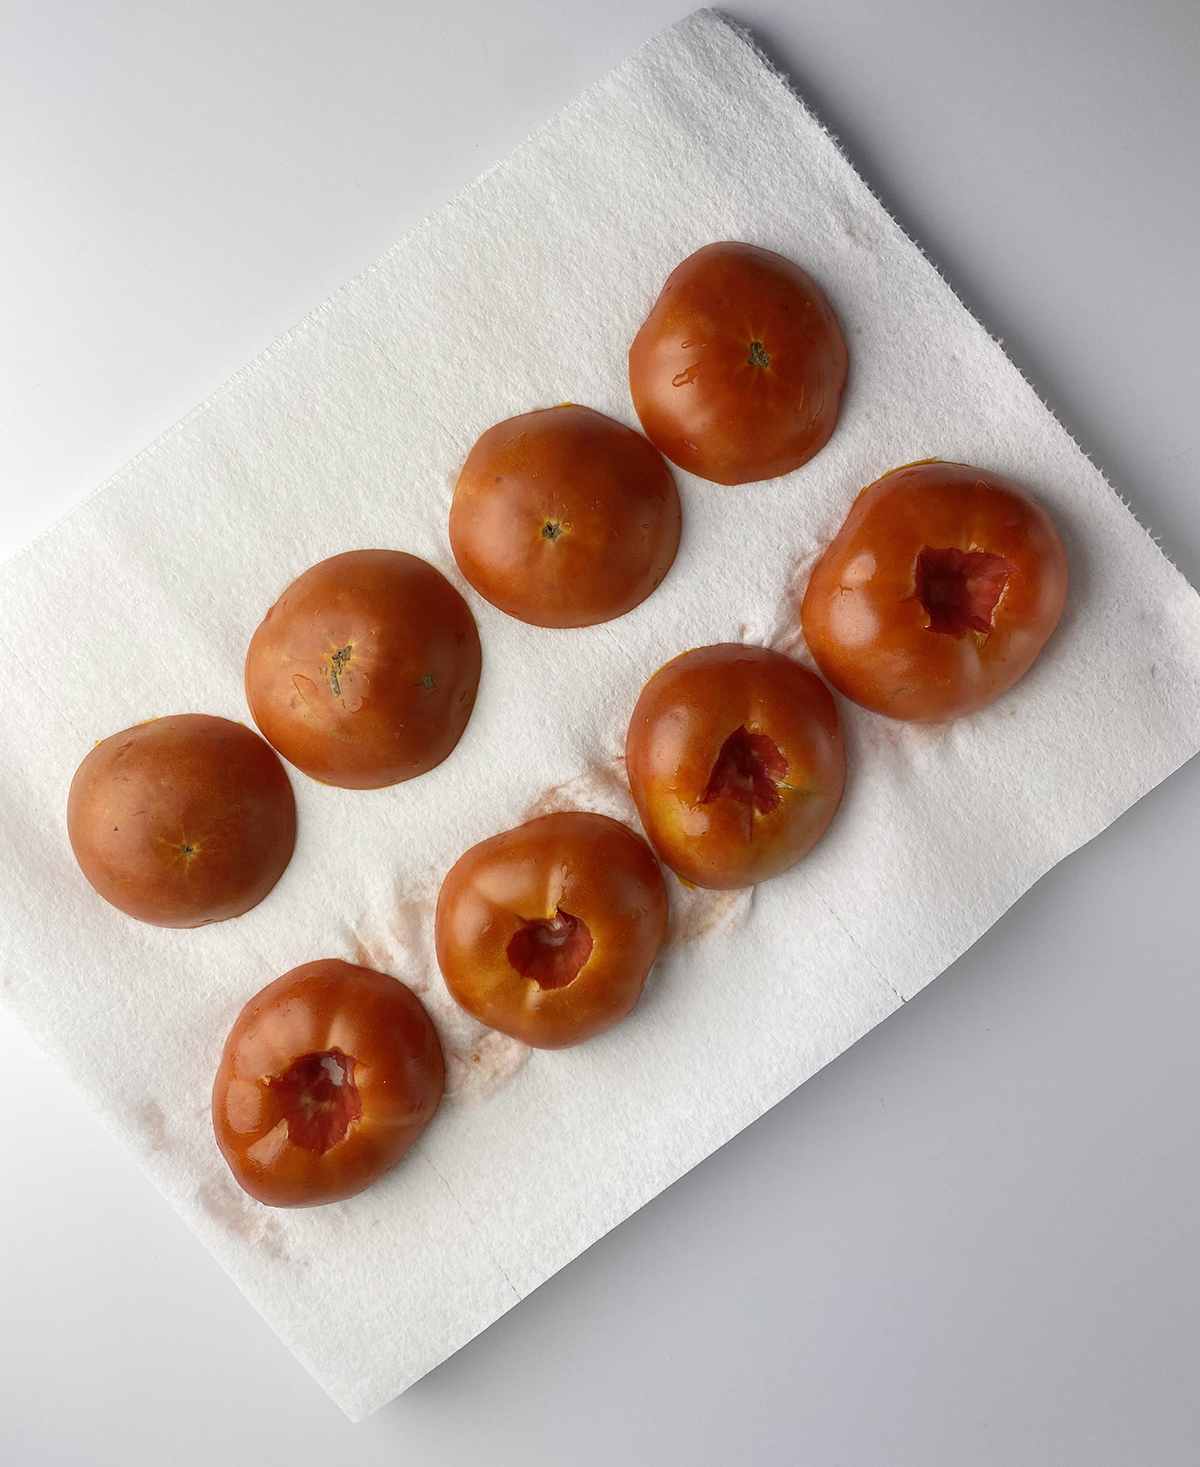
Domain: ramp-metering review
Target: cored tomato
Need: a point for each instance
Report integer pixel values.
(737, 372)
(183, 820)
(564, 518)
(936, 594)
(327, 1078)
(547, 932)
(364, 672)
(735, 759)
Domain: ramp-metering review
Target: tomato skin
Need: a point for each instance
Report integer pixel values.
(871, 634)
(737, 373)
(687, 716)
(364, 672)
(564, 517)
(182, 821)
(399, 1073)
(593, 868)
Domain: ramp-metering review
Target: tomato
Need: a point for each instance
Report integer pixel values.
(364, 672)
(737, 372)
(182, 821)
(936, 594)
(735, 760)
(327, 1078)
(547, 932)
(564, 518)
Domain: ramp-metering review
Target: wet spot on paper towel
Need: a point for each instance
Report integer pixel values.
(479, 1061)
(242, 1216)
(603, 789)
(697, 912)
(153, 1123)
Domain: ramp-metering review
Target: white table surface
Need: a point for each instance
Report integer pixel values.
(972, 1239)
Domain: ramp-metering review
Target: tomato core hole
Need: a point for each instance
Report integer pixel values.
(551, 530)
(552, 950)
(318, 1098)
(758, 355)
(960, 589)
(748, 768)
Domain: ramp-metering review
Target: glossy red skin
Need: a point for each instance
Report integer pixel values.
(592, 867)
(872, 638)
(182, 821)
(701, 398)
(400, 1074)
(403, 695)
(685, 714)
(602, 492)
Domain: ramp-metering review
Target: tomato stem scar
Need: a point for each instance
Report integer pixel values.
(758, 356)
(337, 661)
(551, 530)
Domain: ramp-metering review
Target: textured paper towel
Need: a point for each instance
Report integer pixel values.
(524, 292)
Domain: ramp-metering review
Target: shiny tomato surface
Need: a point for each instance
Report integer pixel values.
(735, 759)
(547, 932)
(183, 820)
(737, 373)
(327, 1078)
(564, 517)
(936, 594)
(364, 672)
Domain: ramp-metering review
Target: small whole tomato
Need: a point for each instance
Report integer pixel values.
(735, 760)
(737, 373)
(564, 518)
(547, 932)
(328, 1076)
(182, 821)
(364, 672)
(936, 594)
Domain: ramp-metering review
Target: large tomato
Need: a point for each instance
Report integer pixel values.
(547, 932)
(183, 820)
(364, 672)
(735, 759)
(327, 1078)
(737, 372)
(564, 518)
(936, 594)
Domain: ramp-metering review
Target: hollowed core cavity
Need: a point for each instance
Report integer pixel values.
(960, 589)
(748, 768)
(318, 1098)
(551, 950)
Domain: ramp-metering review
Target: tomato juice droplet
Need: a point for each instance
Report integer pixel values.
(552, 950)
(318, 1099)
(748, 768)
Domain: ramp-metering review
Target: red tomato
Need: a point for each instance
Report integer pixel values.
(547, 932)
(564, 518)
(327, 1078)
(936, 594)
(364, 671)
(737, 372)
(182, 821)
(735, 759)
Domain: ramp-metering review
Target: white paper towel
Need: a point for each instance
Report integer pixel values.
(523, 292)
